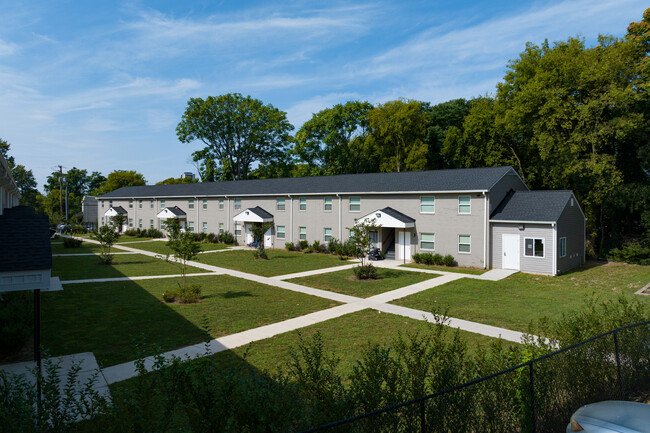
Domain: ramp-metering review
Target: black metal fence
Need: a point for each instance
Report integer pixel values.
(535, 396)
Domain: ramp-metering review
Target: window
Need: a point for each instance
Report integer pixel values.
(110, 203)
(327, 204)
(327, 234)
(279, 204)
(130, 222)
(464, 205)
(533, 247)
(562, 247)
(464, 244)
(151, 204)
(162, 204)
(355, 204)
(220, 204)
(428, 241)
(205, 203)
(221, 228)
(130, 203)
(102, 203)
(151, 224)
(102, 220)
(162, 225)
(205, 227)
(303, 203)
(373, 236)
(427, 204)
(190, 204)
(237, 229)
(237, 203)
(279, 232)
(140, 204)
(303, 233)
(190, 226)
(140, 223)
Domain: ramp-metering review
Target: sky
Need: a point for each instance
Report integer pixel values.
(101, 85)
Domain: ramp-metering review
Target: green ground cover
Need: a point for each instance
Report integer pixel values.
(461, 270)
(86, 247)
(125, 238)
(110, 319)
(280, 262)
(513, 302)
(124, 265)
(160, 247)
(346, 283)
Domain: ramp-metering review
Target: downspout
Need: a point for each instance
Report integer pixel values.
(554, 254)
(135, 213)
(198, 223)
(290, 218)
(485, 230)
(340, 220)
(231, 231)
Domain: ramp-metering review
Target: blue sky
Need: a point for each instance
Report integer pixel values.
(102, 85)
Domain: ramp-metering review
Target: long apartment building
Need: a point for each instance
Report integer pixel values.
(484, 217)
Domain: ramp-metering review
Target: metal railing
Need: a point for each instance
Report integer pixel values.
(421, 423)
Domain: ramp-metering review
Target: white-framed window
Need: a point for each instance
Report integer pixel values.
(110, 203)
(221, 228)
(162, 225)
(327, 204)
(327, 234)
(162, 204)
(150, 224)
(280, 204)
(562, 247)
(140, 223)
(130, 222)
(205, 203)
(102, 220)
(205, 227)
(131, 204)
(190, 226)
(534, 247)
(220, 204)
(237, 229)
(102, 203)
(373, 236)
(303, 203)
(140, 204)
(464, 204)
(428, 241)
(355, 204)
(464, 244)
(190, 203)
(280, 232)
(237, 203)
(427, 205)
(151, 204)
(303, 233)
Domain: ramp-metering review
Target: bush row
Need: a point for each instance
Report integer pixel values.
(144, 233)
(334, 246)
(71, 243)
(220, 238)
(434, 259)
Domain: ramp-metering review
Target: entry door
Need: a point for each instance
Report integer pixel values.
(268, 239)
(249, 234)
(510, 246)
(403, 246)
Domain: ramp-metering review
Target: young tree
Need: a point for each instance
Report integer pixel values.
(360, 237)
(107, 236)
(185, 249)
(118, 221)
(258, 235)
(237, 131)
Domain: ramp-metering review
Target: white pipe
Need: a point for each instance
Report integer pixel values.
(340, 219)
(290, 219)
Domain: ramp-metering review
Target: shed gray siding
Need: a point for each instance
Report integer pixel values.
(534, 265)
(571, 225)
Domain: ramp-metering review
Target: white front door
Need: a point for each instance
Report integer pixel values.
(268, 239)
(510, 246)
(249, 234)
(403, 245)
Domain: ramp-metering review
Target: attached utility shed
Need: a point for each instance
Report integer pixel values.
(541, 232)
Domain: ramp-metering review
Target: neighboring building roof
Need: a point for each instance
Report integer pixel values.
(398, 215)
(531, 206)
(24, 240)
(259, 215)
(465, 179)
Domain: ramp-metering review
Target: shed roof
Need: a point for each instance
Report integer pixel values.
(24, 240)
(466, 179)
(398, 215)
(532, 206)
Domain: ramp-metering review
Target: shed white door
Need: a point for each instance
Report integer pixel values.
(403, 245)
(510, 246)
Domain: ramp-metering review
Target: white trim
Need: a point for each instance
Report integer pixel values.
(458, 245)
(522, 222)
(434, 242)
(277, 204)
(331, 203)
(385, 220)
(470, 205)
(543, 256)
(350, 204)
(300, 200)
(434, 204)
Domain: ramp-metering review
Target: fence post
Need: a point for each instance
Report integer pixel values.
(422, 417)
(618, 366)
(532, 396)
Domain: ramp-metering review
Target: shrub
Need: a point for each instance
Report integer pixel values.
(448, 260)
(437, 259)
(366, 272)
(189, 295)
(304, 244)
(308, 250)
(427, 259)
(632, 252)
(289, 246)
(349, 248)
(333, 246)
(169, 296)
(226, 238)
(417, 258)
(71, 243)
(153, 233)
(322, 248)
(131, 232)
(316, 245)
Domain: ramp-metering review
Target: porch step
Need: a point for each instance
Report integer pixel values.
(390, 253)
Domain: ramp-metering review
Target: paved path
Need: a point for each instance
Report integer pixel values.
(351, 304)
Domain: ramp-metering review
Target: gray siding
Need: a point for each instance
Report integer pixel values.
(571, 225)
(535, 265)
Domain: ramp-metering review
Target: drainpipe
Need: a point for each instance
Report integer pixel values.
(228, 203)
(196, 206)
(340, 220)
(290, 219)
(554, 250)
(485, 230)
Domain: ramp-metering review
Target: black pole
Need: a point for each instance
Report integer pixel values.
(618, 367)
(37, 343)
(532, 397)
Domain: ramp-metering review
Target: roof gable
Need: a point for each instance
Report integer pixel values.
(532, 206)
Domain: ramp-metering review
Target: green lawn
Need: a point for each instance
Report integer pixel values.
(280, 262)
(513, 302)
(472, 271)
(125, 238)
(160, 247)
(109, 319)
(124, 265)
(345, 282)
(86, 247)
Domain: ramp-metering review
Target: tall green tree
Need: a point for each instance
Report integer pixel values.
(440, 118)
(237, 132)
(25, 180)
(333, 141)
(119, 179)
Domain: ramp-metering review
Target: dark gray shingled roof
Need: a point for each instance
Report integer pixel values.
(546, 206)
(24, 240)
(397, 215)
(260, 212)
(119, 209)
(176, 210)
(465, 179)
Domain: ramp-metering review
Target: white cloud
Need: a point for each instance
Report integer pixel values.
(303, 110)
(7, 48)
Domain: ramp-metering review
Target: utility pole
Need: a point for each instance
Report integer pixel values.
(60, 190)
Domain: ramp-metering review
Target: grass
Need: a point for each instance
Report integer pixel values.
(85, 248)
(110, 319)
(160, 247)
(129, 265)
(280, 262)
(125, 238)
(473, 271)
(513, 302)
(345, 282)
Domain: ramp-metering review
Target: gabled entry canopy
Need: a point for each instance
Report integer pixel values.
(253, 215)
(390, 218)
(115, 210)
(171, 212)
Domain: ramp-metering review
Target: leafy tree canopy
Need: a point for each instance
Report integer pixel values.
(173, 180)
(120, 178)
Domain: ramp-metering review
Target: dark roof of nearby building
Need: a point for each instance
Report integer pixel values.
(546, 206)
(397, 215)
(260, 212)
(24, 240)
(176, 210)
(465, 179)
